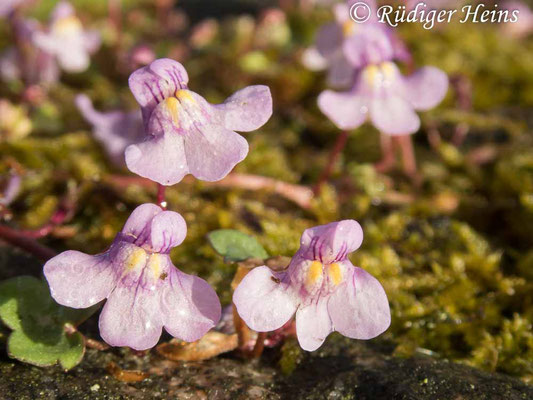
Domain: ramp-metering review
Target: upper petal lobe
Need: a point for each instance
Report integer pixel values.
(247, 109)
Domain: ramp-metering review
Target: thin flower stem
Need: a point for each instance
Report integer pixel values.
(161, 189)
(243, 332)
(259, 344)
(301, 195)
(408, 154)
(20, 240)
(342, 138)
(387, 154)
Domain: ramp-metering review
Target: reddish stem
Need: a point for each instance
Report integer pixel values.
(300, 195)
(161, 189)
(387, 154)
(342, 138)
(21, 240)
(259, 345)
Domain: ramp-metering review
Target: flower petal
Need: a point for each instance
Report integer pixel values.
(369, 46)
(313, 324)
(359, 308)
(138, 223)
(212, 151)
(331, 242)
(347, 110)
(152, 84)
(168, 230)
(263, 300)
(189, 305)
(393, 115)
(329, 39)
(72, 57)
(247, 109)
(341, 73)
(426, 87)
(79, 280)
(313, 60)
(160, 159)
(131, 317)
(115, 130)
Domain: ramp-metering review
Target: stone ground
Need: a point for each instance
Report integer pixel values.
(342, 369)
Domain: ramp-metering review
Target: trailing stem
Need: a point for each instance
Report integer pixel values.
(339, 145)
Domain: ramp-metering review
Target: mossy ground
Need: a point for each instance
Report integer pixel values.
(453, 254)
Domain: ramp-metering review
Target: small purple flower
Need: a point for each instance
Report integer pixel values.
(184, 133)
(145, 291)
(26, 61)
(523, 26)
(321, 286)
(344, 45)
(116, 130)
(67, 40)
(8, 6)
(382, 94)
(11, 189)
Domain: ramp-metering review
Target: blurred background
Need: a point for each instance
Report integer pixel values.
(453, 251)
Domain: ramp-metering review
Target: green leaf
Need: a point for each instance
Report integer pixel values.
(38, 323)
(46, 350)
(235, 245)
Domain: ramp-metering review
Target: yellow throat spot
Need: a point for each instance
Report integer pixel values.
(348, 28)
(155, 263)
(185, 95)
(136, 259)
(313, 273)
(335, 273)
(173, 106)
(67, 25)
(371, 73)
(388, 69)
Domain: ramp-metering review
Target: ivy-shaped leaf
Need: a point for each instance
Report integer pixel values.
(40, 335)
(236, 246)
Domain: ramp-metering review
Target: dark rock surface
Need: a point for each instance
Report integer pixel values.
(341, 370)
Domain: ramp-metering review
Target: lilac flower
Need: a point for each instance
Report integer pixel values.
(524, 24)
(26, 61)
(67, 40)
(184, 133)
(11, 189)
(344, 46)
(144, 291)
(321, 286)
(8, 6)
(115, 130)
(382, 94)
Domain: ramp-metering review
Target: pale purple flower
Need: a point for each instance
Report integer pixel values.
(387, 98)
(26, 61)
(67, 40)
(145, 291)
(184, 133)
(321, 286)
(523, 26)
(115, 130)
(11, 189)
(345, 46)
(427, 5)
(8, 6)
